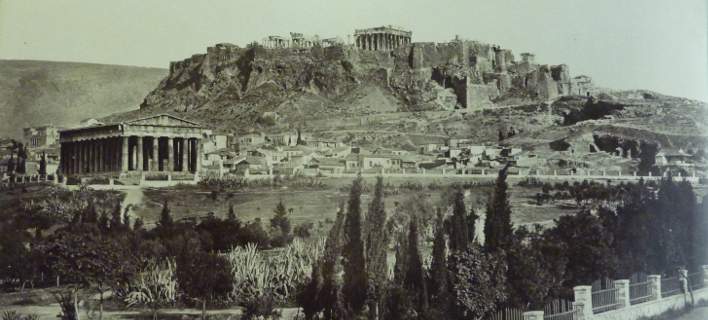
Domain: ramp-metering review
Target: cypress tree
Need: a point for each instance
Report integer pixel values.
(116, 220)
(376, 244)
(329, 295)
(139, 224)
(415, 277)
(90, 215)
(103, 222)
(459, 233)
(355, 283)
(280, 220)
(165, 216)
(231, 216)
(497, 226)
(438, 266)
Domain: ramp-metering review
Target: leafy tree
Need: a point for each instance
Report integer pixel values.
(14, 252)
(376, 245)
(589, 253)
(204, 277)
(355, 282)
(536, 269)
(477, 282)
(84, 256)
(497, 226)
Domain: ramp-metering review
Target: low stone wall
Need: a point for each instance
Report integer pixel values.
(619, 299)
(652, 308)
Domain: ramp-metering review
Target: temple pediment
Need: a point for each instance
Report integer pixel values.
(163, 120)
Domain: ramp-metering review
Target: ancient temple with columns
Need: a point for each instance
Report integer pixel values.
(382, 38)
(161, 144)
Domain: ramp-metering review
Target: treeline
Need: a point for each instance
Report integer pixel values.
(90, 248)
(656, 229)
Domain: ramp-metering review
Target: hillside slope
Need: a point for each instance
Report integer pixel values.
(35, 93)
(425, 92)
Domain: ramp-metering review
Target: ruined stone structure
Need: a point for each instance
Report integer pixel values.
(382, 38)
(40, 137)
(582, 85)
(301, 41)
(276, 42)
(158, 144)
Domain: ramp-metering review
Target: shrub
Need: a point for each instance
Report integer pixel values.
(304, 230)
(260, 307)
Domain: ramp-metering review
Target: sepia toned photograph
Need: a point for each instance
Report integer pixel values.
(354, 160)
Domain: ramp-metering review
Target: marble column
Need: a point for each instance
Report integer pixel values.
(183, 150)
(109, 155)
(139, 152)
(155, 154)
(124, 154)
(170, 155)
(198, 156)
(82, 156)
(75, 157)
(101, 155)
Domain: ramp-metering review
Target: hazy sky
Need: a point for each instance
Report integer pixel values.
(624, 44)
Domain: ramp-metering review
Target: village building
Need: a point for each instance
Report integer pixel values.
(673, 157)
(156, 144)
(40, 137)
(282, 139)
(379, 161)
(251, 139)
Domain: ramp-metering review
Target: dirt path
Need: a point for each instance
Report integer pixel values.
(50, 312)
(696, 314)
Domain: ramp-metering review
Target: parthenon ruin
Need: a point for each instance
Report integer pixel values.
(382, 38)
(161, 143)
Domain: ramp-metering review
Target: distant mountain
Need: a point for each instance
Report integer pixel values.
(63, 93)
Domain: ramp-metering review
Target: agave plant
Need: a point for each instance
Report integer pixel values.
(280, 273)
(155, 286)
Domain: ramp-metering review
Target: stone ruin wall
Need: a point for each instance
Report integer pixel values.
(490, 72)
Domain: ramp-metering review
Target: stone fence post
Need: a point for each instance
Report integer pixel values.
(655, 285)
(582, 295)
(705, 273)
(683, 278)
(533, 315)
(579, 306)
(622, 286)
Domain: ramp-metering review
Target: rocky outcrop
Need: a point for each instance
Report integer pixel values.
(421, 76)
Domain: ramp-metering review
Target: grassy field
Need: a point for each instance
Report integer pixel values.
(322, 204)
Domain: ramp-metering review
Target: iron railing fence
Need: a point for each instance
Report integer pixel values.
(560, 309)
(696, 280)
(640, 292)
(670, 286)
(605, 300)
(507, 314)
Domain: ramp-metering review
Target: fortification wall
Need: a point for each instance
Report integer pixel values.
(428, 54)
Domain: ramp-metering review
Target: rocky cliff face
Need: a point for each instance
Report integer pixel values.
(421, 76)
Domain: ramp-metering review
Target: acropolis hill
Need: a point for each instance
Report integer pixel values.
(417, 74)
(382, 88)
